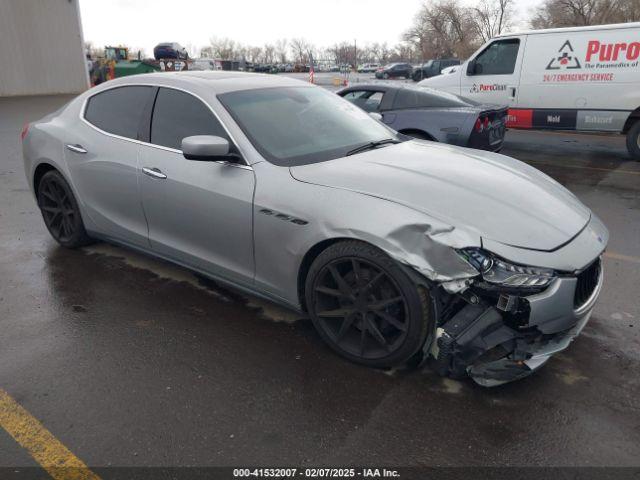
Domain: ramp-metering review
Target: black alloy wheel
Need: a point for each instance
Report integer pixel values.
(365, 307)
(60, 211)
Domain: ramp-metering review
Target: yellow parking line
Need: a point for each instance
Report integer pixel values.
(52, 455)
(619, 256)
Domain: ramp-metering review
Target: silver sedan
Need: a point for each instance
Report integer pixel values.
(401, 251)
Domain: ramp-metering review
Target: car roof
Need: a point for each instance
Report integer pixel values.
(217, 81)
(612, 26)
(388, 86)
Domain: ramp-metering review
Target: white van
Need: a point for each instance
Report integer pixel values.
(582, 78)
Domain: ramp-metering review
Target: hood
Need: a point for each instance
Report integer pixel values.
(499, 198)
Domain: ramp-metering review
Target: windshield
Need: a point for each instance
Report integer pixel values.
(299, 125)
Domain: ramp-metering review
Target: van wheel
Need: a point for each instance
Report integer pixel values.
(633, 141)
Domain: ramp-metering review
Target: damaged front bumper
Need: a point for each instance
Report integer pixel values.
(496, 337)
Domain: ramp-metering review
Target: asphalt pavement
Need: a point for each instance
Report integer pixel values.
(130, 361)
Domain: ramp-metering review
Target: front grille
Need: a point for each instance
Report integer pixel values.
(587, 282)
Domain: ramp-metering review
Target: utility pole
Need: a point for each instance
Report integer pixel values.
(355, 54)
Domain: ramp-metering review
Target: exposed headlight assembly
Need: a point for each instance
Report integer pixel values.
(500, 272)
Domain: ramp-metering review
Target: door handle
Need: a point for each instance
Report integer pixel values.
(513, 92)
(76, 148)
(153, 172)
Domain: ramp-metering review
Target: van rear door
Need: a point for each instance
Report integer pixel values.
(493, 74)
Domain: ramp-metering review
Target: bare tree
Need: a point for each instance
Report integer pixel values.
(301, 49)
(269, 53)
(253, 54)
(443, 28)
(223, 48)
(281, 48)
(566, 13)
(491, 18)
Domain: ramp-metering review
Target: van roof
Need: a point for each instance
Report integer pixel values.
(613, 26)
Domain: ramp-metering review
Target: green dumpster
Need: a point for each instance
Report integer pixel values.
(124, 68)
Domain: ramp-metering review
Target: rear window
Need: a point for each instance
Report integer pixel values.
(119, 110)
(428, 98)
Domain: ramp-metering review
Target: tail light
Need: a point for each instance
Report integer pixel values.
(25, 130)
(486, 122)
(478, 126)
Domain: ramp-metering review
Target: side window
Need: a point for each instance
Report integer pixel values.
(373, 102)
(367, 100)
(499, 58)
(177, 115)
(351, 96)
(118, 110)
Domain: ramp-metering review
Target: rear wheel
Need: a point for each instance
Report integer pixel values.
(633, 141)
(60, 211)
(365, 306)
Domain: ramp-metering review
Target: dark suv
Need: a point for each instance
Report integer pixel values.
(395, 70)
(433, 68)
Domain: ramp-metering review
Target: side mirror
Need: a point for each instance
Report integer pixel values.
(375, 116)
(471, 67)
(206, 148)
(474, 68)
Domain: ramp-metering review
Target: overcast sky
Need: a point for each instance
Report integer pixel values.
(144, 23)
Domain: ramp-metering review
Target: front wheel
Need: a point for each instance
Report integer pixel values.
(633, 141)
(60, 211)
(365, 306)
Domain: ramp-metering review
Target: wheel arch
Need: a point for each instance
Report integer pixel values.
(308, 259)
(39, 172)
(631, 120)
(409, 131)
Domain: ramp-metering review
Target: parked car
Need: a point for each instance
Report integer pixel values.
(283, 189)
(395, 70)
(430, 114)
(368, 68)
(578, 79)
(265, 68)
(432, 68)
(170, 50)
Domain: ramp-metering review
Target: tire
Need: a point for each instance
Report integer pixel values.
(60, 211)
(365, 307)
(633, 141)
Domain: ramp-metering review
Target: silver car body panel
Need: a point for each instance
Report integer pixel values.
(484, 192)
(253, 224)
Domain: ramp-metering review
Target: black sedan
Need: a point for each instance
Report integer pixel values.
(395, 70)
(431, 114)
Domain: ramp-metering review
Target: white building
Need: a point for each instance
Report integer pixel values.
(41, 48)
